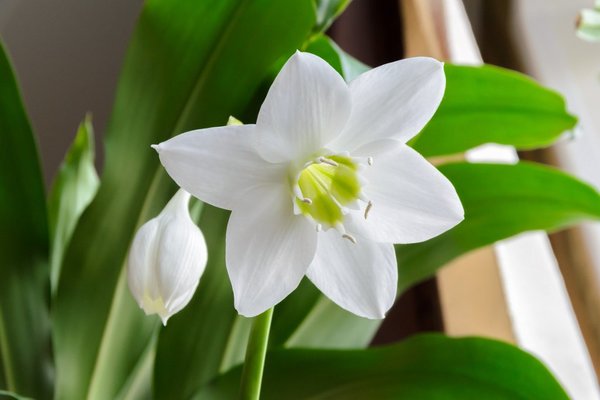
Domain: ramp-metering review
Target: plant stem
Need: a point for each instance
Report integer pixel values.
(255, 356)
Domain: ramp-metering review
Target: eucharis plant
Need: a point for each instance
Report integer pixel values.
(331, 175)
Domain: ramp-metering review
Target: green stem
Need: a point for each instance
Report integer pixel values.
(255, 356)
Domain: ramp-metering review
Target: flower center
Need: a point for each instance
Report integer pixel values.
(326, 187)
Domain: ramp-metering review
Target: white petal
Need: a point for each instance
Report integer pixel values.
(361, 278)
(182, 254)
(217, 165)
(411, 200)
(141, 262)
(268, 250)
(306, 107)
(394, 100)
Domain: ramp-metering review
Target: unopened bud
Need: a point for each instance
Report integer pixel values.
(166, 260)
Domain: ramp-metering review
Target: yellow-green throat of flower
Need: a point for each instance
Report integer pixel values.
(327, 187)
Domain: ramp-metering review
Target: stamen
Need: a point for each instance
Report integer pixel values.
(369, 206)
(328, 161)
(370, 160)
(306, 200)
(349, 237)
(319, 227)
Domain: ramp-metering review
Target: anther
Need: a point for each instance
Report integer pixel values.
(349, 237)
(327, 161)
(306, 200)
(369, 206)
(370, 160)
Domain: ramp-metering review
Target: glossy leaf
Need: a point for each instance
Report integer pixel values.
(327, 11)
(10, 395)
(500, 201)
(191, 64)
(330, 326)
(423, 367)
(489, 104)
(72, 191)
(24, 283)
(348, 66)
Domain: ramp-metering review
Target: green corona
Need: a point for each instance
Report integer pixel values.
(326, 186)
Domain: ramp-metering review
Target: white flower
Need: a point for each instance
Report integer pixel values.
(324, 183)
(166, 260)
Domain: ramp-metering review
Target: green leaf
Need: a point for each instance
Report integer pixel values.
(24, 282)
(424, 367)
(190, 65)
(493, 105)
(73, 190)
(330, 326)
(324, 47)
(500, 201)
(327, 11)
(10, 395)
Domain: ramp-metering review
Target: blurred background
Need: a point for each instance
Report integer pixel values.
(68, 53)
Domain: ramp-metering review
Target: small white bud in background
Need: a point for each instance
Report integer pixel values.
(166, 260)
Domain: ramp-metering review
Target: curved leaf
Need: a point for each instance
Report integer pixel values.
(72, 191)
(24, 278)
(422, 367)
(489, 104)
(346, 65)
(327, 11)
(10, 395)
(500, 201)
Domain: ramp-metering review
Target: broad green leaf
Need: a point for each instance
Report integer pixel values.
(424, 367)
(139, 384)
(348, 66)
(500, 201)
(10, 395)
(235, 351)
(24, 278)
(72, 191)
(489, 104)
(190, 65)
(330, 326)
(327, 11)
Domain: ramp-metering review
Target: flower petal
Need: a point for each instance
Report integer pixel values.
(141, 262)
(361, 278)
(217, 165)
(394, 100)
(306, 107)
(268, 249)
(182, 254)
(411, 200)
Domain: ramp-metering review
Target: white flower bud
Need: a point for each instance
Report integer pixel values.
(166, 260)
